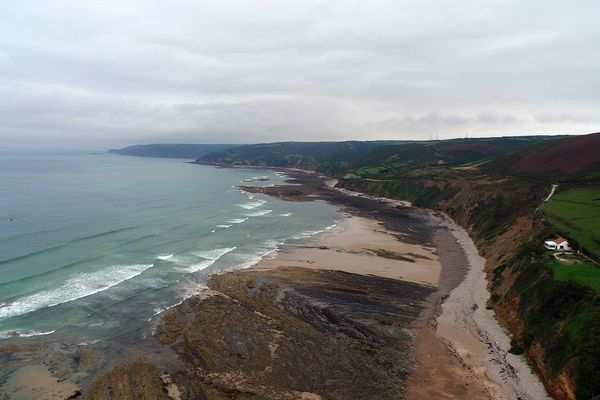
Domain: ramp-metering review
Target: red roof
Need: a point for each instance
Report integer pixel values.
(559, 240)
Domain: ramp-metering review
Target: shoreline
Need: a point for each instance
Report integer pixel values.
(470, 334)
(353, 246)
(476, 336)
(391, 280)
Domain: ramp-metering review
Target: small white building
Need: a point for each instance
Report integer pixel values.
(558, 244)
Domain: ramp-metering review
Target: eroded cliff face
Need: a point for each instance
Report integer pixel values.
(501, 217)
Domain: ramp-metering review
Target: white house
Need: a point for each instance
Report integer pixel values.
(558, 244)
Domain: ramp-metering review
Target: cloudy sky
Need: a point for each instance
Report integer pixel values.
(109, 73)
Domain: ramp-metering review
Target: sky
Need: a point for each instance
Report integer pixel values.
(109, 73)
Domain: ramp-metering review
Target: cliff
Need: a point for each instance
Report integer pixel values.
(556, 323)
(495, 188)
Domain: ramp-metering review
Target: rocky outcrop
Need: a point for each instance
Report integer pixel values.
(289, 333)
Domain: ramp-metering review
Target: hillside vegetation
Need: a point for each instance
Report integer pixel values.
(585, 273)
(338, 158)
(495, 188)
(188, 151)
(328, 157)
(575, 213)
(574, 159)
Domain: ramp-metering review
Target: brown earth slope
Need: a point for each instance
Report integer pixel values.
(565, 158)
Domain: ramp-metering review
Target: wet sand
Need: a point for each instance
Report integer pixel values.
(35, 382)
(362, 246)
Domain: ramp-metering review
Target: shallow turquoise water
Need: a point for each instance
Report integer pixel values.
(93, 246)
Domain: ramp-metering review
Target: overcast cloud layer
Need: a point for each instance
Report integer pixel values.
(109, 73)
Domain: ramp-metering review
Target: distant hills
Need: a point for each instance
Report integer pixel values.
(544, 158)
(327, 157)
(339, 158)
(574, 159)
(189, 151)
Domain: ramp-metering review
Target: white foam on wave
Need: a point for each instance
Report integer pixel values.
(307, 234)
(91, 342)
(258, 213)
(18, 333)
(269, 249)
(285, 214)
(79, 286)
(252, 204)
(224, 226)
(165, 257)
(237, 220)
(256, 178)
(158, 310)
(210, 257)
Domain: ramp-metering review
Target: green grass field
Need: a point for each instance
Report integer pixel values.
(368, 171)
(575, 213)
(585, 273)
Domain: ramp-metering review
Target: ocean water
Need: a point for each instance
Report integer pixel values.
(93, 247)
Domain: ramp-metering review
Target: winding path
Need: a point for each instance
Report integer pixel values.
(551, 193)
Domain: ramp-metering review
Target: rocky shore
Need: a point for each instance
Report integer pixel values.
(334, 319)
(351, 315)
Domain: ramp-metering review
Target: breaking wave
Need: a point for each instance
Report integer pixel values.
(258, 213)
(269, 248)
(79, 286)
(17, 333)
(252, 204)
(210, 257)
(307, 234)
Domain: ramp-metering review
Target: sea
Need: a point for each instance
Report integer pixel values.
(94, 247)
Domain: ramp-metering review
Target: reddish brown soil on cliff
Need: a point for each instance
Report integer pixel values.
(568, 156)
(483, 148)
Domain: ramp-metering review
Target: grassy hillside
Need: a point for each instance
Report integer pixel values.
(561, 321)
(189, 151)
(369, 158)
(328, 157)
(585, 273)
(396, 158)
(575, 213)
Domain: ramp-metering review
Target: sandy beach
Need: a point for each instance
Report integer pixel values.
(461, 349)
(474, 334)
(36, 382)
(362, 246)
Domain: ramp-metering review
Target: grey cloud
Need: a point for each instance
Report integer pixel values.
(568, 118)
(115, 73)
(437, 120)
